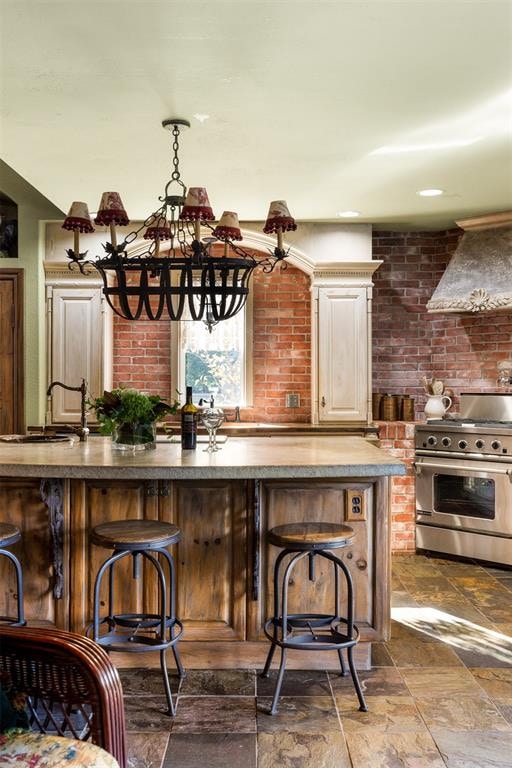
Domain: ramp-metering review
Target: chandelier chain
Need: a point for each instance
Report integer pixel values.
(175, 176)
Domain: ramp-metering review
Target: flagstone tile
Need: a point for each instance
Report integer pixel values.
(302, 750)
(219, 682)
(462, 713)
(295, 683)
(440, 681)
(381, 681)
(211, 750)
(215, 714)
(146, 750)
(407, 653)
(393, 750)
(497, 683)
(392, 714)
(475, 749)
(308, 714)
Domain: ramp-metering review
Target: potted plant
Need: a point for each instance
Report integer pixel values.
(130, 417)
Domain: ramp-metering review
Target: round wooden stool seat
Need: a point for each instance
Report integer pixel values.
(305, 536)
(135, 534)
(9, 534)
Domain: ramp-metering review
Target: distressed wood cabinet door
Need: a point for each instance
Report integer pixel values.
(210, 558)
(288, 502)
(101, 501)
(22, 505)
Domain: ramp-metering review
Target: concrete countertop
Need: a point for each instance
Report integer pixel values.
(245, 458)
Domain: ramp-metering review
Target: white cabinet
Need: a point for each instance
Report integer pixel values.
(79, 343)
(342, 354)
(341, 341)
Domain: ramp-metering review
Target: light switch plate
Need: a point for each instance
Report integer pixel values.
(355, 505)
(292, 400)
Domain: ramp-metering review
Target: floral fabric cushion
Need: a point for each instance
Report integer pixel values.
(38, 750)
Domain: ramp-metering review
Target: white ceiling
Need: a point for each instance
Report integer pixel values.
(301, 96)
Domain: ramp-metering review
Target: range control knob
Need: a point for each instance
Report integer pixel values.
(495, 445)
(463, 444)
(432, 440)
(446, 441)
(480, 444)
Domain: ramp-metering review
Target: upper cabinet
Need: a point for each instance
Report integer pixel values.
(79, 340)
(341, 339)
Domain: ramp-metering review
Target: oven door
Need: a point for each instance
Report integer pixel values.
(462, 494)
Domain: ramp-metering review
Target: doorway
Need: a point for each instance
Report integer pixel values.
(11, 352)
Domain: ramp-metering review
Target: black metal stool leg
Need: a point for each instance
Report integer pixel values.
(171, 709)
(342, 663)
(279, 682)
(273, 646)
(20, 622)
(109, 562)
(357, 685)
(172, 610)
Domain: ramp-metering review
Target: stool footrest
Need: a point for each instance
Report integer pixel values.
(141, 620)
(332, 640)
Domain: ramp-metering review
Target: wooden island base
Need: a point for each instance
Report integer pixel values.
(224, 504)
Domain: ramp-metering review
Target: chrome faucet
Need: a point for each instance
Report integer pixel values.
(82, 431)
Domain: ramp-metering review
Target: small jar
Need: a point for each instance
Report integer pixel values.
(389, 408)
(376, 405)
(407, 408)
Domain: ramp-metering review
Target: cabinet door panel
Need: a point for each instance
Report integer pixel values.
(342, 354)
(210, 558)
(288, 503)
(22, 506)
(76, 348)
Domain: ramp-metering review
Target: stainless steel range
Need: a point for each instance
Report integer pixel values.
(464, 481)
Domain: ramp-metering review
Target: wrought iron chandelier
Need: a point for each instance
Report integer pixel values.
(179, 276)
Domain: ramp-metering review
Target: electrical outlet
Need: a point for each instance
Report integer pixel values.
(355, 508)
(292, 400)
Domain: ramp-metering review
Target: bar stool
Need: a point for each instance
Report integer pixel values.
(139, 632)
(299, 630)
(9, 535)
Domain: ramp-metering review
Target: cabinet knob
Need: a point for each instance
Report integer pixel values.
(362, 564)
(322, 402)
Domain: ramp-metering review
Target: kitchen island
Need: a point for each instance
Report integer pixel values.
(223, 503)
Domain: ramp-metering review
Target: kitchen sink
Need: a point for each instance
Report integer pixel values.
(36, 439)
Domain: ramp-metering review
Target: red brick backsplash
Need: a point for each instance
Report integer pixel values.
(397, 437)
(409, 342)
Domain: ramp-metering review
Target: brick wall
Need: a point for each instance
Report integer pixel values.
(281, 351)
(408, 342)
(397, 437)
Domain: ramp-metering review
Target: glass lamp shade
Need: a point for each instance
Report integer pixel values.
(78, 219)
(111, 210)
(197, 206)
(228, 227)
(279, 218)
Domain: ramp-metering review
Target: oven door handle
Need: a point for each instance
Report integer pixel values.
(420, 466)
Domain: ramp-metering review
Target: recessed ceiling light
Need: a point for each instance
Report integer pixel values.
(430, 192)
(348, 214)
(201, 118)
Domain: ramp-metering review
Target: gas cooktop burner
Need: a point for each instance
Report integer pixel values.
(454, 422)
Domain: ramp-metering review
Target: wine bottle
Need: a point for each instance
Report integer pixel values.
(189, 423)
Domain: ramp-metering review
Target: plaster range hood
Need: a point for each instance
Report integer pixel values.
(479, 275)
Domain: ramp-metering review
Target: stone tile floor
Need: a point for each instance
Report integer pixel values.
(439, 692)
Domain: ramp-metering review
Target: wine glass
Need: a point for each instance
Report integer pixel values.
(212, 418)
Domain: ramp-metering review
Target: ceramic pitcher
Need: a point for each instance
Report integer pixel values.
(435, 407)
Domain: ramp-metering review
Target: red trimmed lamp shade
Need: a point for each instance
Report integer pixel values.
(197, 206)
(279, 218)
(228, 227)
(78, 219)
(161, 231)
(111, 211)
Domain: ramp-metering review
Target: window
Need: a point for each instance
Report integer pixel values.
(217, 363)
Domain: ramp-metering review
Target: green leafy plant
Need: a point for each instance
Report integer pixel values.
(129, 407)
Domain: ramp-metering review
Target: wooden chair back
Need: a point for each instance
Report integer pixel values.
(72, 687)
